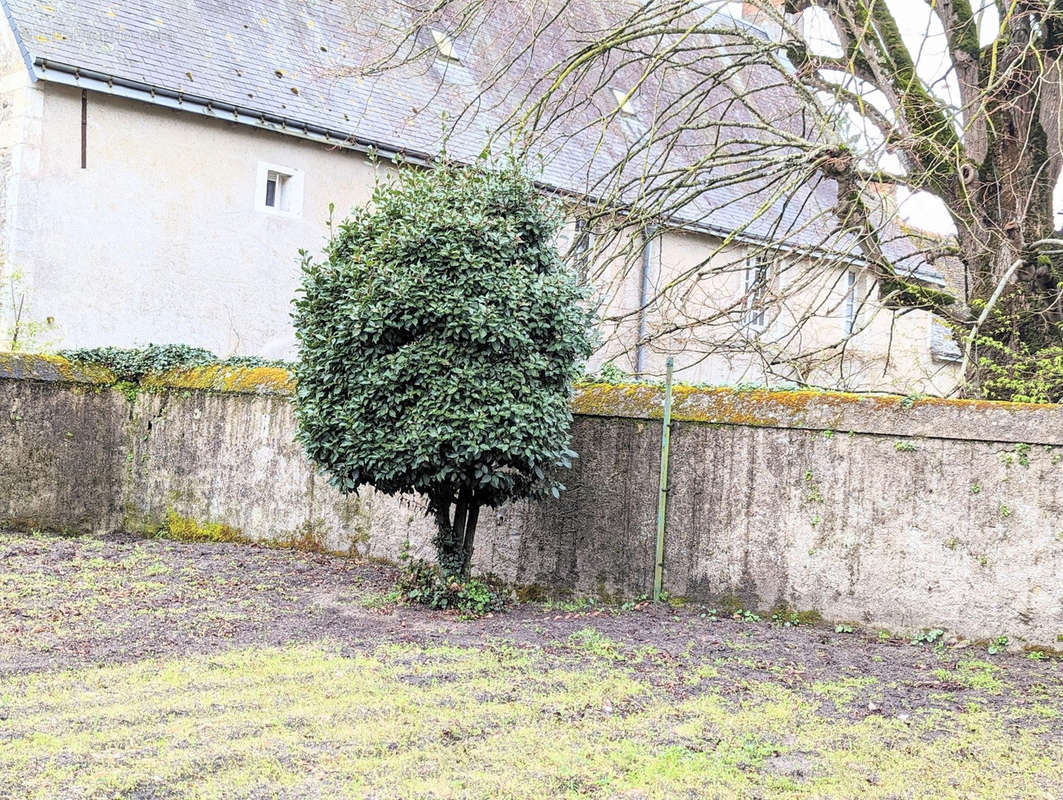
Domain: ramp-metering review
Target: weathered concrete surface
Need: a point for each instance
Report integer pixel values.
(62, 448)
(910, 521)
(841, 412)
(232, 459)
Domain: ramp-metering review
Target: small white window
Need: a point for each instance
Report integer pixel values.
(851, 303)
(279, 190)
(445, 45)
(757, 275)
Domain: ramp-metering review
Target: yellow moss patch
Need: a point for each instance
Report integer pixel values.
(185, 529)
(240, 380)
(42, 367)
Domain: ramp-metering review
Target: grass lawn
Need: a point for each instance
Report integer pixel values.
(153, 669)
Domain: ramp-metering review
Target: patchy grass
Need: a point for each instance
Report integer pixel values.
(843, 692)
(975, 674)
(499, 721)
(137, 669)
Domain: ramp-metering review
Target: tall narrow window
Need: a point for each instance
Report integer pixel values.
(851, 304)
(757, 274)
(275, 185)
(581, 249)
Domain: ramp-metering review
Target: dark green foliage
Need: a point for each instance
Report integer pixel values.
(256, 361)
(1020, 375)
(424, 583)
(612, 374)
(1019, 349)
(438, 342)
(131, 364)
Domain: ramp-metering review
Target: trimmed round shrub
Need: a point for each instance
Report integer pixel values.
(438, 341)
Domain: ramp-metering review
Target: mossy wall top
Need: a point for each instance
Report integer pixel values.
(839, 412)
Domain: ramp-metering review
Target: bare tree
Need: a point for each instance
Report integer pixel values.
(781, 136)
(984, 137)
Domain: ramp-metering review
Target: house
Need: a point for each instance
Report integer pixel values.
(163, 164)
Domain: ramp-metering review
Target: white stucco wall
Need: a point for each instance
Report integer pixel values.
(21, 109)
(698, 286)
(159, 239)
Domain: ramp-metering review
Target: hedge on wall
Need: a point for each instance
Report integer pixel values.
(133, 363)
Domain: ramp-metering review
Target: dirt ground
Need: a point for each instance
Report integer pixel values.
(797, 710)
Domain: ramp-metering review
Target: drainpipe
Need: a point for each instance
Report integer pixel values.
(84, 129)
(644, 294)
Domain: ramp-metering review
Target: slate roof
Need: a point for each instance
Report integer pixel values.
(294, 64)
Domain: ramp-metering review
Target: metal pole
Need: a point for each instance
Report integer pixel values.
(662, 496)
(84, 129)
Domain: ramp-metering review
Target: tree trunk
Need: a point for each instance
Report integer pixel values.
(448, 545)
(1001, 208)
(454, 538)
(470, 536)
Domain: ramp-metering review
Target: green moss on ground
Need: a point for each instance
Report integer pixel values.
(441, 721)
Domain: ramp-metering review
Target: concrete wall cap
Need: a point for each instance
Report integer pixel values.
(840, 412)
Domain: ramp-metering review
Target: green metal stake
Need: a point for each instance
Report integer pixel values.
(662, 497)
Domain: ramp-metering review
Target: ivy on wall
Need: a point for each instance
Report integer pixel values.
(131, 364)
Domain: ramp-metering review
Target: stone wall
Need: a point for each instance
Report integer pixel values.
(889, 512)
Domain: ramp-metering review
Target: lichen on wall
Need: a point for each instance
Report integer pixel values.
(243, 380)
(827, 410)
(43, 367)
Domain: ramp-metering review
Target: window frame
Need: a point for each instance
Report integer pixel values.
(277, 193)
(851, 314)
(582, 245)
(288, 190)
(758, 270)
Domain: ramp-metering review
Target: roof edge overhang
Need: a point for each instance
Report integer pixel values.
(23, 50)
(79, 77)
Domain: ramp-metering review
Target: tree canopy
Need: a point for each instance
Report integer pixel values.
(438, 341)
